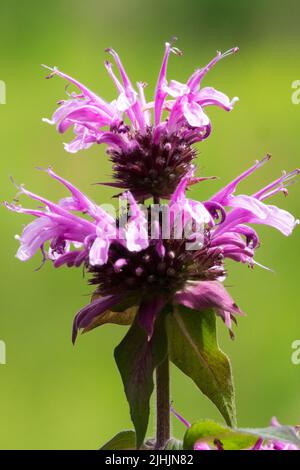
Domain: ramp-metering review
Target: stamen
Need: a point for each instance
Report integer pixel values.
(231, 51)
(184, 421)
(279, 184)
(176, 51)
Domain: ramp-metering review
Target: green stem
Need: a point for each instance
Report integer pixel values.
(162, 404)
(162, 395)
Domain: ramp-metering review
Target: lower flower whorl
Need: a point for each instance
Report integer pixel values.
(146, 273)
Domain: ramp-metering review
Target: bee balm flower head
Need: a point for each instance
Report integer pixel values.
(150, 143)
(130, 265)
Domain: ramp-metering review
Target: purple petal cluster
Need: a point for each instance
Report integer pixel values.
(128, 262)
(149, 142)
(75, 239)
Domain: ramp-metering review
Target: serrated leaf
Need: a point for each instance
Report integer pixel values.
(194, 349)
(234, 438)
(124, 440)
(137, 358)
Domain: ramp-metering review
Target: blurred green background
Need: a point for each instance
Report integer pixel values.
(55, 396)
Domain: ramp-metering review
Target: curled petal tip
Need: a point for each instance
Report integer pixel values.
(48, 121)
(111, 51)
(234, 100)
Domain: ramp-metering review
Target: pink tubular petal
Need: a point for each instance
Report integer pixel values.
(222, 195)
(125, 101)
(56, 224)
(85, 138)
(184, 209)
(179, 194)
(249, 233)
(80, 201)
(56, 209)
(260, 213)
(113, 140)
(85, 91)
(16, 208)
(98, 254)
(78, 144)
(136, 230)
(120, 89)
(195, 79)
(176, 89)
(34, 236)
(141, 86)
(249, 203)
(216, 210)
(160, 95)
(194, 114)
(229, 238)
(129, 91)
(67, 258)
(209, 96)
(86, 114)
(206, 294)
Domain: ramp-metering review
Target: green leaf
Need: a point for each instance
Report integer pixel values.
(194, 349)
(174, 444)
(137, 358)
(124, 440)
(236, 439)
(208, 431)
